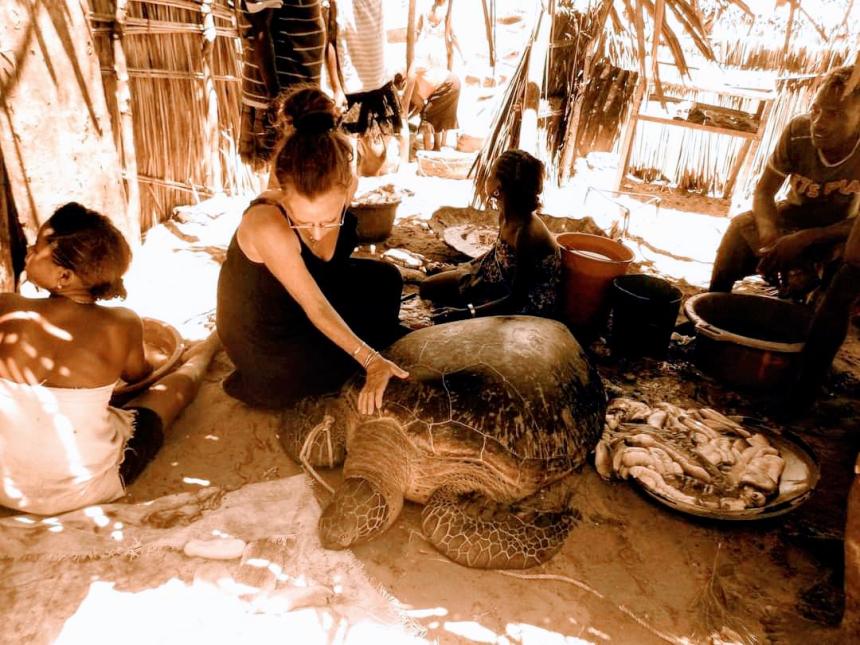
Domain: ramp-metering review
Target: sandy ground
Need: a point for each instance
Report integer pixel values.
(632, 571)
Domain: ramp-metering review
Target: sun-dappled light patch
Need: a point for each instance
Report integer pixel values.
(196, 481)
(97, 515)
(533, 635)
(425, 613)
(471, 631)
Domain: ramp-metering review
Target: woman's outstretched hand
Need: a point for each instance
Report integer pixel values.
(379, 372)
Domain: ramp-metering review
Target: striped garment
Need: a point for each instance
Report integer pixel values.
(283, 44)
(361, 45)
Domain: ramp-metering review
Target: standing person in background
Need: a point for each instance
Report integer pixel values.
(434, 93)
(361, 85)
(283, 43)
(435, 40)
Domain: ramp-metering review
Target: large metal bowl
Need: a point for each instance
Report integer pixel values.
(751, 342)
(161, 341)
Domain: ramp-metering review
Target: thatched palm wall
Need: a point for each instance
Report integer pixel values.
(184, 99)
(700, 161)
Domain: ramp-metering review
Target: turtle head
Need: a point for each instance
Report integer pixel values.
(358, 513)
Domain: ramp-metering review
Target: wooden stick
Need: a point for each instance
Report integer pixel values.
(488, 27)
(138, 72)
(570, 137)
(410, 36)
(126, 124)
(789, 28)
(589, 589)
(7, 273)
(212, 159)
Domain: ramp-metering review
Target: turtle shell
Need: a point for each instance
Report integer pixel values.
(519, 384)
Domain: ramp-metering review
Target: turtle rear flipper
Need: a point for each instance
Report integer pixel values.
(471, 535)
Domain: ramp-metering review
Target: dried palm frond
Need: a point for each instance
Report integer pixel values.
(505, 127)
(718, 605)
(579, 40)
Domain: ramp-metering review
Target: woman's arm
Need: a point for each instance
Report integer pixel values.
(278, 247)
(788, 249)
(334, 77)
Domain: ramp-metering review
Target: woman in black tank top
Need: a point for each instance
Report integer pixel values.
(296, 314)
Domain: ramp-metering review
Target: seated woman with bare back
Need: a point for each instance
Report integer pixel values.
(62, 446)
(297, 314)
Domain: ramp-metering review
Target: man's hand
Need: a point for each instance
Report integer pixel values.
(784, 253)
(768, 235)
(340, 101)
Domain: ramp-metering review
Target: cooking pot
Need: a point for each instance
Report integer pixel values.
(752, 342)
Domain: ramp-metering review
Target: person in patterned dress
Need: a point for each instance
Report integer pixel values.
(521, 273)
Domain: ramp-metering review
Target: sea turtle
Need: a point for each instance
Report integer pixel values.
(495, 409)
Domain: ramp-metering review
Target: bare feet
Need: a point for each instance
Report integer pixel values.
(209, 346)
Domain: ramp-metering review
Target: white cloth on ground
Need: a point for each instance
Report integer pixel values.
(127, 559)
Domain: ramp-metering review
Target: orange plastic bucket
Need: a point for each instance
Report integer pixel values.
(589, 264)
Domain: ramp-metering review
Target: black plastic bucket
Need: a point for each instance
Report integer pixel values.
(644, 311)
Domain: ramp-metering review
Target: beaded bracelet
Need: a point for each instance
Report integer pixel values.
(471, 308)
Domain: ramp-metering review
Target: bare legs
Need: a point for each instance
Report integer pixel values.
(736, 257)
(827, 332)
(172, 394)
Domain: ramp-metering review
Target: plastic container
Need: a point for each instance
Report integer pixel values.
(589, 264)
(644, 311)
(748, 341)
(375, 221)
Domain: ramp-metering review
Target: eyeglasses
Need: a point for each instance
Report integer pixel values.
(325, 226)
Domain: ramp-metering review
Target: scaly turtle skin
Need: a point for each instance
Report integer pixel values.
(495, 410)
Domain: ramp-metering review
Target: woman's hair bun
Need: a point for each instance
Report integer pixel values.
(315, 122)
(308, 109)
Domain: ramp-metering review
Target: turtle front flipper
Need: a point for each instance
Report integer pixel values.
(461, 528)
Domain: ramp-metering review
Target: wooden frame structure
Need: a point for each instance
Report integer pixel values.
(654, 111)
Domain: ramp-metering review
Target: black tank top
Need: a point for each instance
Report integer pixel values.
(254, 307)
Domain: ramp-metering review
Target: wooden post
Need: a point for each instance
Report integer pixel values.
(449, 46)
(126, 123)
(789, 28)
(56, 135)
(489, 29)
(569, 143)
(7, 272)
(629, 131)
(211, 156)
(410, 35)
